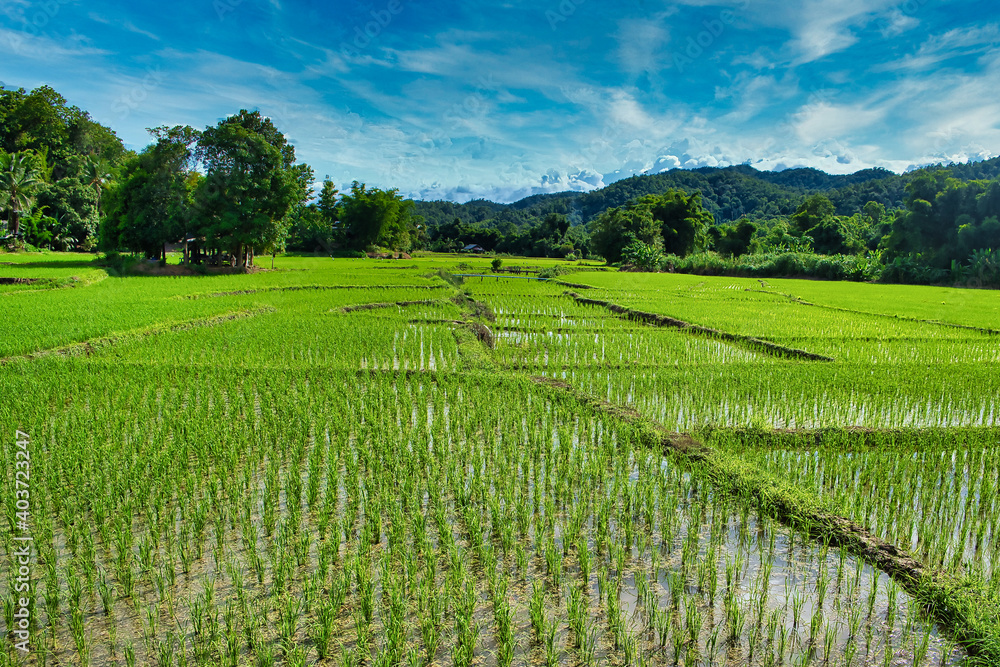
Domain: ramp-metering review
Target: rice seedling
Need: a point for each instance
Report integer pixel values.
(352, 485)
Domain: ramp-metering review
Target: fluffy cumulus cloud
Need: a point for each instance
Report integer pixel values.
(505, 100)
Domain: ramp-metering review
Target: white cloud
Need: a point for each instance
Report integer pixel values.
(640, 44)
(818, 28)
(896, 23)
(817, 122)
(42, 48)
(125, 24)
(960, 43)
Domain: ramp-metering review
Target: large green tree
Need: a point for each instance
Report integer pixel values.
(250, 184)
(150, 204)
(618, 227)
(683, 220)
(814, 211)
(945, 221)
(374, 217)
(735, 239)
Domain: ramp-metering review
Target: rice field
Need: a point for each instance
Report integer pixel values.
(357, 462)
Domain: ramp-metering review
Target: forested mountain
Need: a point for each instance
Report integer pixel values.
(729, 193)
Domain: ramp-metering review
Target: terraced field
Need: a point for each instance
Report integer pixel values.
(352, 462)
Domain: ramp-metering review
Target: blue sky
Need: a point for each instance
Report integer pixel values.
(458, 100)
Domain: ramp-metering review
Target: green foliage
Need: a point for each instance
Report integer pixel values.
(735, 239)
(616, 228)
(41, 121)
(673, 221)
(375, 217)
(813, 212)
(19, 182)
(781, 264)
(250, 186)
(74, 204)
(150, 204)
(72, 156)
(945, 224)
(779, 239)
(642, 256)
(683, 220)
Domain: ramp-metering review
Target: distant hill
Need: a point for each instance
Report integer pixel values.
(728, 192)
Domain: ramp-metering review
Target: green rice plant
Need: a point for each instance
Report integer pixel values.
(576, 611)
(129, 654)
(165, 650)
(288, 621)
(365, 441)
(466, 630)
(584, 560)
(693, 619)
(321, 631)
(662, 623)
(829, 637)
(736, 618)
(552, 652)
(920, 646)
(263, 655)
(536, 610)
(231, 637)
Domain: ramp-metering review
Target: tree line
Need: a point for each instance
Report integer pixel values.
(234, 190)
(227, 192)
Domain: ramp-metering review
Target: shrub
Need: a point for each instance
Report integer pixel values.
(642, 256)
(116, 263)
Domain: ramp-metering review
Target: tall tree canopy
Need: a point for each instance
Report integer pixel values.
(617, 228)
(250, 184)
(683, 220)
(150, 205)
(945, 220)
(674, 222)
(374, 217)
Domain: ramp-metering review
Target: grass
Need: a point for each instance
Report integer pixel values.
(361, 474)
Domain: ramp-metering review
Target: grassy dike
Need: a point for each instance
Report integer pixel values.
(961, 605)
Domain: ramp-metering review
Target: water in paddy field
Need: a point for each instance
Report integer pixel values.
(798, 601)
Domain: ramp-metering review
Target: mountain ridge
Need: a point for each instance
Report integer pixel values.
(730, 193)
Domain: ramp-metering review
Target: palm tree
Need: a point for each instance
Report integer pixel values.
(96, 174)
(18, 181)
